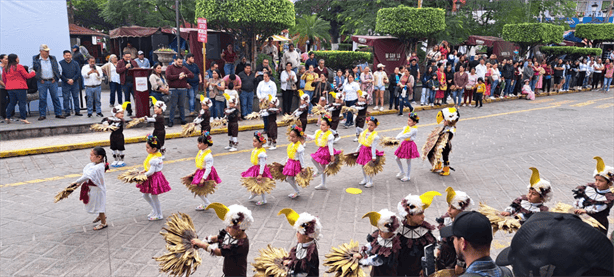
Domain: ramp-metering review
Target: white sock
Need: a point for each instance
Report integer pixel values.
(234, 139)
(116, 155)
(156, 203)
(292, 181)
(408, 168)
(147, 198)
(400, 164)
(319, 167)
(364, 174)
(206, 201)
(263, 197)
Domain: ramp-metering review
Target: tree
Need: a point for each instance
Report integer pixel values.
(410, 24)
(248, 18)
(531, 34)
(311, 27)
(597, 33)
(147, 13)
(86, 13)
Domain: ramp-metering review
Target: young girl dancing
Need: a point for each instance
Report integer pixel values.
(94, 190)
(366, 150)
(156, 183)
(361, 106)
(303, 258)
(408, 149)
(117, 136)
(596, 199)
(205, 179)
(295, 162)
(263, 182)
(326, 154)
(302, 111)
(158, 120)
(335, 110)
(204, 117)
(232, 114)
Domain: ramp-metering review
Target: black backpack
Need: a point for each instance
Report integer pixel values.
(32, 85)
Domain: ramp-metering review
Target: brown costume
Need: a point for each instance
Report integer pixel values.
(235, 253)
(387, 255)
(413, 241)
(272, 121)
(159, 130)
(588, 198)
(205, 124)
(309, 264)
(233, 122)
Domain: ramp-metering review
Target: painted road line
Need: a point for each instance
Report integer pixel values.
(603, 106)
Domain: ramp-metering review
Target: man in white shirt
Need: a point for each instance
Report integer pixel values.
(480, 69)
(92, 78)
(495, 80)
(271, 50)
(265, 88)
(293, 57)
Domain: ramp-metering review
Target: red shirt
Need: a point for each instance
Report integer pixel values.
(172, 76)
(229, 57)
(15, 78)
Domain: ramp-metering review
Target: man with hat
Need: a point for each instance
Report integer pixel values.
(47, 71)
(141, 60)
(472, 235)
(558, 244)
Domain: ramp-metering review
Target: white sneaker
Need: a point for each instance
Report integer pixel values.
(321, 187)
(368, 185)
(381, 109)
(492, 98)
(376, 108)
(227, 147)
(200, 207)
(273, 147)
(400, 175)
(364, 181)
(501, 97)
(232, 149)
(337, 139)
(294, 195)
(404, 179)
(121, 164)
(432, 104)
(355, 139)
(114, 164)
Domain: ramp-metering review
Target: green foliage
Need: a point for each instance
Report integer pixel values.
(571, 50)
(343, 59)
(533, 33)
(410, 23)
(599, 32)
(87, 13)
(147, 13)
(311, 27)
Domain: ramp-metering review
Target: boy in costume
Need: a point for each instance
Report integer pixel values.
(439, 143)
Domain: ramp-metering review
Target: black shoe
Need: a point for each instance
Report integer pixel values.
(400, 114)
(78, 114)
(130, 113)
(99, 115)
(89, 115)
(170, 124)
(183, 122)
(67, 115)
(60, 117)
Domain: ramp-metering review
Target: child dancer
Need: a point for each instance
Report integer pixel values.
(272, 112)
(204, 117)
(232, 242)
(526, 89)
(158, 119)
(295, 162)
(264, 180)
(415, 233)
(382, 252)
(335, 111)
(303, 258)
(524, 206)
(117, 136)
(156, 183)
(480, 88)
(408, 149)
(596, 199)
(367, 151)
(326, 154)
(361, 106)
(205, 172)
(302, 111)
(458, 202)
(439, 143)
(93, 189)
(232, 114)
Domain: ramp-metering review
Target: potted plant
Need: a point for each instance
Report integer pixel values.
(165, 56)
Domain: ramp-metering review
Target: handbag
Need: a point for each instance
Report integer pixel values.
(293, 86)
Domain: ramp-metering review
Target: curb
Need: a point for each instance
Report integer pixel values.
(92, 144)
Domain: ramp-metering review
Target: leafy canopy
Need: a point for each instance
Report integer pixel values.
(598, 32)
(408, 23)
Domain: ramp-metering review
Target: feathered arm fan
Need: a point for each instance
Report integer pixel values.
(389, 142)
(497, 221)
(132, 176)
(66, 192)
(270, 262)
(135, 122)
(342, 262)
(182, 258)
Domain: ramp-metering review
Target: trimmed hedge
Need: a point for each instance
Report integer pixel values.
(571, 50)
(343, 59)
(600, 32)
(407, 22)
(533, 33)
(262, 16)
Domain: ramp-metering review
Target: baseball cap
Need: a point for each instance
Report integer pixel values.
(470, 225)
(44, 47)
(381, 65)
(139, 53)
(561, 240)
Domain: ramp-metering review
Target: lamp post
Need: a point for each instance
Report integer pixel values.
(594, 18)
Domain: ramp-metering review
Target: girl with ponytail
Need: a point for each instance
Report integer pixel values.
(93, 190)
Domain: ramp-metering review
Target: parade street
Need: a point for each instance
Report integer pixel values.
(493, 149)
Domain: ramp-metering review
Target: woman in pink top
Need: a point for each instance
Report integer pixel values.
(14, 77)
(607, 78)
(366, 83)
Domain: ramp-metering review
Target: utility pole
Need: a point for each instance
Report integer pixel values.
(178, 28)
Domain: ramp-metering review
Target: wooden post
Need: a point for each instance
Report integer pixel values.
(204, 66)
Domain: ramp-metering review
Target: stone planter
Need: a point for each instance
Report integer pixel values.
(165, 57)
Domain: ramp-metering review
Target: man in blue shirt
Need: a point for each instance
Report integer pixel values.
(311, 61)
(142, 61)
(71, 73)
(47, 76)
(193, 83)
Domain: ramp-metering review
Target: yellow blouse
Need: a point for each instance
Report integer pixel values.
(200, 157)
(291, 150)
(406, 130)
(322, 138)
(365, 139)
(149, 157)
(255, 153)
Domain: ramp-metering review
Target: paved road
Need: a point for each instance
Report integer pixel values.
(493, 150)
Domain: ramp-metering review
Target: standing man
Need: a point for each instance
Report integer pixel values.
(559, 76)
(47, 75)
(414, 70)
(127, 82)
(480, 69)
(321, 69)
(507, 72)
(271, 50)
(142, 61)
(311, 61)
(92, 78)
(130, 49)
(293, 57)
(248, 85)
(229, 56)
(177, 76)
(241, 65)
(71, 73)
(194, 82)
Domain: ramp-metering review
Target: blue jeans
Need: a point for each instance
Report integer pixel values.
(115, 88)
(493, 87)
(508, 87)
(432, 93)
(606, 84)
(127, 88)
(219, 108)
(69, 91)
(533, 83)
(17, 95)
(310, 93)
(404, 101)
(93, 98)
(567, 81)
(349, 117)
(178, 96)
(42, 93)
(265, 119)
(425, 96)
(157, 95)
(247, 99)
(190, 95)
(457, 96)
(229, 68)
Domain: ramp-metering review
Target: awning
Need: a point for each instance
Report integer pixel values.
(77, 30)
(482, 40)
(132, 31)
(279, 38)
(387, 50)
(368, 40)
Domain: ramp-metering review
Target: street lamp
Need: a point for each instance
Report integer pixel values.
(594, 7)
(594, 18)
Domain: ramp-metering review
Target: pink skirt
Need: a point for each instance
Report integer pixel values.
(439, 94)
(407, 150)
(322, 156)
(155, 184)
(212, 176)
(292, 168)
(364, 155)
(254, 171)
